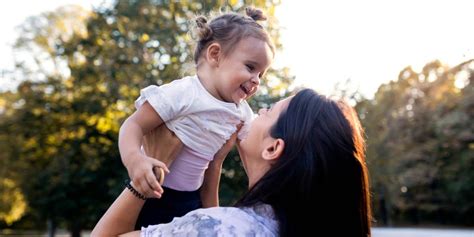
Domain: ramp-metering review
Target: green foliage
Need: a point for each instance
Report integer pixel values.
(83, 72)
(420, 145)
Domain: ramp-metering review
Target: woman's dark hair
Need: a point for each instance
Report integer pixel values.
(229, 29)
(319, 186)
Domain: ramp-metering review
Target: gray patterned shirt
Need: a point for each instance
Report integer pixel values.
(259, 220)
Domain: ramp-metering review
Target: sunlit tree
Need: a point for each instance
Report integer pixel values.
(420, 145)
(81, 72)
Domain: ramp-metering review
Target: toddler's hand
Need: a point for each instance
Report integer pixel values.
(143, 174)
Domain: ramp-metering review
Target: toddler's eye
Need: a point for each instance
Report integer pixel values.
(250, 67)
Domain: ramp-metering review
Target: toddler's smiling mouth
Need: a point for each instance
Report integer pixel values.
(246, 91)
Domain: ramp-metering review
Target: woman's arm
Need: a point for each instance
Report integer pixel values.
(210, 187)
(120, 218)
(162, 144)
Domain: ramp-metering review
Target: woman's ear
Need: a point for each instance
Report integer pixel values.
(274, 149)
(213, 54)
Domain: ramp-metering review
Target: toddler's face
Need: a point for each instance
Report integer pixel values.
(240, 71)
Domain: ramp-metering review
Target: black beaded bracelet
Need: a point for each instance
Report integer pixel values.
(128, 184)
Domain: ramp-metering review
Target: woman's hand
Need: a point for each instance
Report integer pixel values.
(225, 149)
(162, 144)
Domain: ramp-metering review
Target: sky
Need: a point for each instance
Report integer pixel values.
(329, 42)
(370, 42)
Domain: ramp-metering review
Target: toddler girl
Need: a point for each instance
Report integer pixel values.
(232, 54)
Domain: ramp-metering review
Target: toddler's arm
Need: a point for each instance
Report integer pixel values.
(139, 166)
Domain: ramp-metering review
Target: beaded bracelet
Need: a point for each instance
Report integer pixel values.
(128, 184)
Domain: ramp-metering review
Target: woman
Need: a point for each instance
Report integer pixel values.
(305, 162)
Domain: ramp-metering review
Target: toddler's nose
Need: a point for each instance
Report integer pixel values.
(255, 80)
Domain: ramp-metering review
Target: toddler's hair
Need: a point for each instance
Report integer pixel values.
(228, 29)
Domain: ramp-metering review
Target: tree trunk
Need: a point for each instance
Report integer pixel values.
(51, 227)
(76, 231)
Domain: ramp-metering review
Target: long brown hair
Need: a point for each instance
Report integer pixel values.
(321, 179)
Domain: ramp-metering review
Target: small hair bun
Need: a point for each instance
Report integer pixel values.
(204, 31)
(255, 14)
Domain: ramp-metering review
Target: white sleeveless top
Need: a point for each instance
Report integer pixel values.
(202, 123)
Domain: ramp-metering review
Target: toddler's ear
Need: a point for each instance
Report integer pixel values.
(213, 54)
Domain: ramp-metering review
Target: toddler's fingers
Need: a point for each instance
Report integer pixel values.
(157, 194)
(153, 183)
(149, 192)
(143, 188)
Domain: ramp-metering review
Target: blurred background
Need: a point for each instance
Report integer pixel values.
(70, 71)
